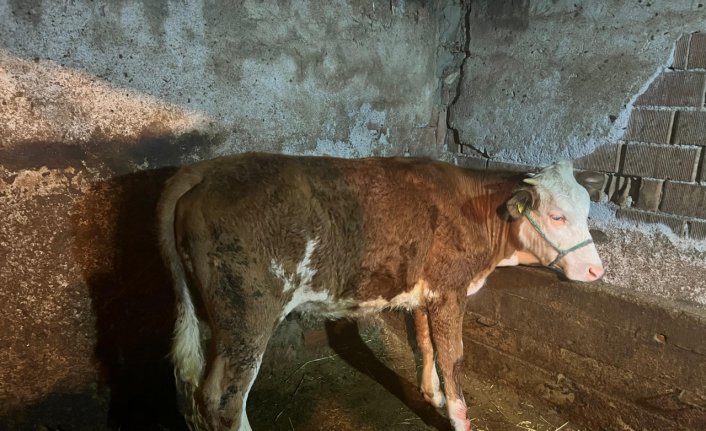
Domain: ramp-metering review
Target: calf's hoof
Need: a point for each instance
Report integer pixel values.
(435, 398)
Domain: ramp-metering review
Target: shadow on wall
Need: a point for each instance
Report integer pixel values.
(133, 302)
(132, 299)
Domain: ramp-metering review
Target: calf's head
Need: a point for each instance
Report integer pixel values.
(552, 211)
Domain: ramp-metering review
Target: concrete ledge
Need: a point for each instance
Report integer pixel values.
(609, 358)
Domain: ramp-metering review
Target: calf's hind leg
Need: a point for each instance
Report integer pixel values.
(226, 389)
(242, 320)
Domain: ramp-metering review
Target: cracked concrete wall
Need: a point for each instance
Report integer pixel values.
(547, 80)
(99, 98)
(556, 79)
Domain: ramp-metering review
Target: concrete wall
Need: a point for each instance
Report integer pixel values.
(609, 359)
(80, 72)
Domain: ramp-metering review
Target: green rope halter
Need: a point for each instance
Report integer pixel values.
(560, 252)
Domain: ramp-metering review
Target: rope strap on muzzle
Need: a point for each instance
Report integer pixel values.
(560, 252)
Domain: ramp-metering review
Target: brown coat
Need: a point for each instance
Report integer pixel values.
(251, 237)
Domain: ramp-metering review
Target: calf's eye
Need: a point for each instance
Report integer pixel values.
(558, 217)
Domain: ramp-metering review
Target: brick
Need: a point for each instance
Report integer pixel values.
(650, 194)
(681, 52)
(593, 182)
(684, 199)
(697, 51)
(603, 159)
(703, 166)
(690, 128)
(661, 161)
(675, 89)
(649, 126)
(697, 229)
(622, 189)
(641, 217)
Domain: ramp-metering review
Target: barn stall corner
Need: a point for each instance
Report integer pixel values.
(102, 101)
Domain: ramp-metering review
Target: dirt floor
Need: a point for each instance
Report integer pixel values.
(332, 376)
(368, 382)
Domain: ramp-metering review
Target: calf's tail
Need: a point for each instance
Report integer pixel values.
(187, 352)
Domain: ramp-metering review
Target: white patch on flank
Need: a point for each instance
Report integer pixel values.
(278, 271)
(408, 300)
(304, 270)
(186, 349)
(305, 273)
(244, 423)
(475, 286)
(457, 415)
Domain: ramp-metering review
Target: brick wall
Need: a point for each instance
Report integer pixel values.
(657, 171)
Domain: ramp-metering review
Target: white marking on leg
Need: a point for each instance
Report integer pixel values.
(438, 399)
(475, 286)
(457, 415)
(244, 423)
(430, 383)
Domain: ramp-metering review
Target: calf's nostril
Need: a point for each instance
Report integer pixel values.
(596, 272)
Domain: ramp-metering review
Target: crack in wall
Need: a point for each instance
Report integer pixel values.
(458, 77)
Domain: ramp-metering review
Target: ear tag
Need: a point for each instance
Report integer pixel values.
(520, 207)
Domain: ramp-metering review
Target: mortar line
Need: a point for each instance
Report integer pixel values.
(688, 51)
(699, 173)
(621, 158)
(672, 128)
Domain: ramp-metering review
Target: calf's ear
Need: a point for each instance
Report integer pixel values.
(522, 199)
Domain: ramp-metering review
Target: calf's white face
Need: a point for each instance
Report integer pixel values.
(554, 210)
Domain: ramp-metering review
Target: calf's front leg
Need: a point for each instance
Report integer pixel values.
(429, 384)
(446, 323)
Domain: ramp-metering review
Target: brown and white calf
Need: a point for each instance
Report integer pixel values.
(251, 238)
